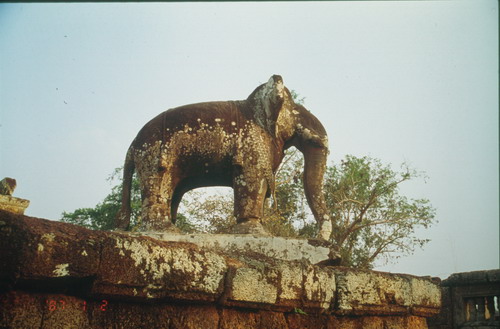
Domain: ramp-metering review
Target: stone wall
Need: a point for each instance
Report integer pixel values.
(58, 275)
(469, 300)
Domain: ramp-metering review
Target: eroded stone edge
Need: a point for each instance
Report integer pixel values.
(371, 292)
(322, 289)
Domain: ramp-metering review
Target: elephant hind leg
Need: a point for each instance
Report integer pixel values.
(156, 205)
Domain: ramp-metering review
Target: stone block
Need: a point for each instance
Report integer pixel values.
(254, 246)
(290, 283)
(284, 286)
(472, 278)
(426, 296)
(20, 310)
(12, 204)
(147, 268)
(272, 320)
(235, 319)
(300, 321)
(254, 286)
(319, 287)
(189, 317)
(37, 249)
(67, 312)
(370, 292)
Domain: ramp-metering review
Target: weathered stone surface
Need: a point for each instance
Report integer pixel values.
(55, 311)
(20, 310)
(320, 287)
(426, 296)
(472, 278)
(110, 264)
(370, 292)
(299, 321)
(239, 245)
(234, 319)
(374, 322)
(443, 320)
(253, 286)
(7, 186)
(67, 272)
(7, 201)
(12, 204)
(147, 268)
(272, 320)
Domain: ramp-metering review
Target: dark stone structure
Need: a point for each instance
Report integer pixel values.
(470, 300)
(239, 144)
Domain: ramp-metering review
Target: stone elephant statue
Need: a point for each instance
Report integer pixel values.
(239, 144)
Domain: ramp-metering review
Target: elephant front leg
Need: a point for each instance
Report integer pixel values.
(249, 196)
(155, 212)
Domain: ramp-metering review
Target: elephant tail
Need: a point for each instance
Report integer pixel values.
(122, 220)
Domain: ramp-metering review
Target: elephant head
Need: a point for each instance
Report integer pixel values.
(292, 124)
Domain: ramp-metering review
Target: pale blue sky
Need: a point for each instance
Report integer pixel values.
(413, 81)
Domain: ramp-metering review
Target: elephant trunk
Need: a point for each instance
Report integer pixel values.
(314, 170)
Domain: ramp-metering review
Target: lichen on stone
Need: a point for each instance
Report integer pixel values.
(61, 270)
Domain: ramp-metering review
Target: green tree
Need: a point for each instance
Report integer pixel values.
(102, 216)
(371, 219)
(209, 212)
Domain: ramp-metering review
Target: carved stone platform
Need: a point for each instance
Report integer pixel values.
(57, 275)
(248, 246)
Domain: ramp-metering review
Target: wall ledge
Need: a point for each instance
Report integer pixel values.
(44, 261)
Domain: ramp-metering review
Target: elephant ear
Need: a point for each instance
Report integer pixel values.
(266, 103)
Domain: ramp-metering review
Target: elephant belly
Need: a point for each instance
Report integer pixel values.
(206, 170)
(200, 151)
